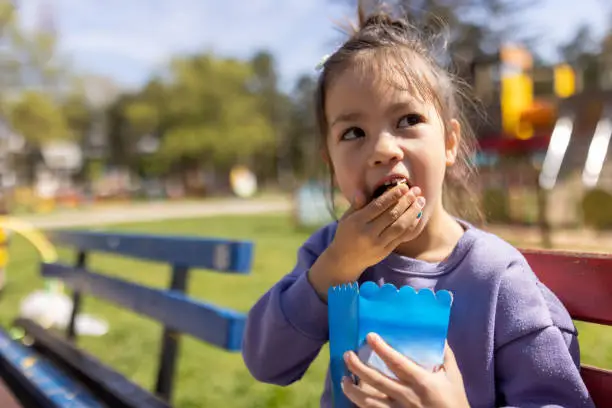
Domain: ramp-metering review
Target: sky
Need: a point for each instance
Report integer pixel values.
(128, 40)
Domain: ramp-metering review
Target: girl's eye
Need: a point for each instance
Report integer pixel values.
(410, 120)
(352, 133)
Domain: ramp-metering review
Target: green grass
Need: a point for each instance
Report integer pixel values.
(207, 376)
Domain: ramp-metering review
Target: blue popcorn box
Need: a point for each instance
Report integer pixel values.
(413, 323)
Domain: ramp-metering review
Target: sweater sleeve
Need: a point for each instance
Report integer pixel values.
(537, 361)
(287, 326)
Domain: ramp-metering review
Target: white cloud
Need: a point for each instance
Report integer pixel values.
(147, 33)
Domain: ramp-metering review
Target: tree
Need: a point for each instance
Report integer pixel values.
(77, 114)
(303, 138)
(31, 79)
(212, 113)
(133, 117)
(27, 61)
(38, 118)
(208, 113)
(582, 52)
(606, 61)
(275, 106)
(581, 44)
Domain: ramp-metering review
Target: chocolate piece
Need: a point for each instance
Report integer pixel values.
(385, 187)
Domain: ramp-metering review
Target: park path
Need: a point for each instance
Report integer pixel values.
(528, 236)
(154, 211)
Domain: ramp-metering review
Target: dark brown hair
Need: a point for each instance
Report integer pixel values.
(405, 56)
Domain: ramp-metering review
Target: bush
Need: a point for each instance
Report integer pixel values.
(495, 205)
(597, 209)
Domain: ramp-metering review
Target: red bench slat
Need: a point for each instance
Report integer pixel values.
(7, 399)
(583, 282)
(599, 384)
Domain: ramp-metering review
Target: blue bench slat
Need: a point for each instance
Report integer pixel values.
(55, 387)
(215, 254)
(218, 326)
(112, 387)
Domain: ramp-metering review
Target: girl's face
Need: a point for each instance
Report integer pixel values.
(376, 131)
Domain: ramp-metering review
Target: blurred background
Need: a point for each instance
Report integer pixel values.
(123, 115)
(162, 100)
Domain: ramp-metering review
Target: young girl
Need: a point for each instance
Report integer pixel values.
(394, 139)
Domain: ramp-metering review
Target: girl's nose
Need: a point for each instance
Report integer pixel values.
(386, 150)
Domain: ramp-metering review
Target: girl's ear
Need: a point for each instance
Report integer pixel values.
(453, 139)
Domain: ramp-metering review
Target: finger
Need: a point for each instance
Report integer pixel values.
(367, 388)
(371, 390)
(364, 397)
(359, 201)
(384, 202)
(405, 369)
(395, 211)
(450, 364)
(373, 377)
(449, 356)
(398, 231)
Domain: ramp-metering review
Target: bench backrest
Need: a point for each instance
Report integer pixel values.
(178, 312)
(583, 282)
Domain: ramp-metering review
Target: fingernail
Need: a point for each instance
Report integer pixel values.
(416, 191)
(421, 202)
(347, 356)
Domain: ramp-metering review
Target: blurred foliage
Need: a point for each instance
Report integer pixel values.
(37, 117)
(32, 77)
(207, 113)
(495, 205)
(211, 111)
(200, 112)
(596, 209)
(77, 115)
(204, 112)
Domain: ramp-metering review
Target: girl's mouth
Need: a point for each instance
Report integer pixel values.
(388, 185)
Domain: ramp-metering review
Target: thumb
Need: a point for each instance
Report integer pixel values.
(359, 201)
(450, 363)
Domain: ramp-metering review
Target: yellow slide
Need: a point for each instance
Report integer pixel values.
(35, 237)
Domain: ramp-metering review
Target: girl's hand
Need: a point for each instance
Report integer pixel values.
(415, 387)
(366, 234)
(369, 232)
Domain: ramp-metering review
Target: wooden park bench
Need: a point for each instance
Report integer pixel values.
(583, 282)
(54, 372)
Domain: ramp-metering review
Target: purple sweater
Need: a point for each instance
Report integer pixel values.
(514, 342)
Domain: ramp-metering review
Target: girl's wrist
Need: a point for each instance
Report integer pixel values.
(329, 270)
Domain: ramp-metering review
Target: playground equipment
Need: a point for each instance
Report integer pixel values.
(50, 307)
(522, 99)
(578, 141)
(535, 109)
(544, 136)
(32, 235)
